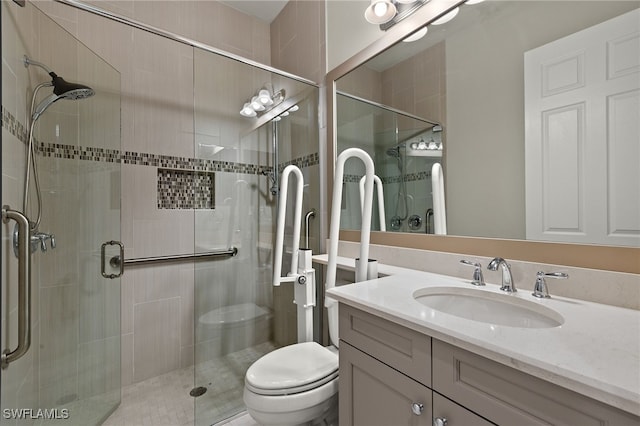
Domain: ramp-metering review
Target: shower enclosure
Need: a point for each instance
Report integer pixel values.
(404, 148)
(196, 177)
(72, 367)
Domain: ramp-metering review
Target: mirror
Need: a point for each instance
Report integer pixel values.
(481, 79)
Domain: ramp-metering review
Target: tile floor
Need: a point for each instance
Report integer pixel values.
(165, 401)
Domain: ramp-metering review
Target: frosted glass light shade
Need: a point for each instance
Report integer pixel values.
(380, 11)
(417, 35)
(247, 111)
(446, 18)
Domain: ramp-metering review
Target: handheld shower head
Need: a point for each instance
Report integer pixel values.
(62, 89)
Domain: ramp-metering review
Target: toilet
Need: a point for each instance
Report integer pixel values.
(296, 384)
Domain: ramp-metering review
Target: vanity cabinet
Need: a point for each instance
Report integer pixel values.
(392, 375)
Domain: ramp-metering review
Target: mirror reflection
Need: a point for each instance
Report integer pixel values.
(535, 107)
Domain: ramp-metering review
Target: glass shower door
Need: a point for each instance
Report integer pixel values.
(71, 372)
(239, 316)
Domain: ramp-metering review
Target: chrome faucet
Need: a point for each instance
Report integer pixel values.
(507, 279)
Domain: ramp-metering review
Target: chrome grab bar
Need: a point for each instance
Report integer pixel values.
(307, 217)
(429, 216)
(24, 287)
(116, 263)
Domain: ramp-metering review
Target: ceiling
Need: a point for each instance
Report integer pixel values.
(265, 10)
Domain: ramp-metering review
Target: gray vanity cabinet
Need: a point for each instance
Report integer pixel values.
(392, 376)
(510, 397)
(385, 375)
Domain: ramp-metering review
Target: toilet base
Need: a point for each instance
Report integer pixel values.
(318, 407)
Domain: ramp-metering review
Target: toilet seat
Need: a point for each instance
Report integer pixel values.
(292, 369)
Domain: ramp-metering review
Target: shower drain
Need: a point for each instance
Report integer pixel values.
(197, 391)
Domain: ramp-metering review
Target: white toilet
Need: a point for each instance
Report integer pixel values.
(296, 384)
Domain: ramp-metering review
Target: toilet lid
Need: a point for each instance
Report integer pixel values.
(293, 368)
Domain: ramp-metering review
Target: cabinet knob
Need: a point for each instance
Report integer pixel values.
(440, 421)
(417, 408)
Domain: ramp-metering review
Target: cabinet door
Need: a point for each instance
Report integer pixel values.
(510, 397)
(453, 414)
(372, 393)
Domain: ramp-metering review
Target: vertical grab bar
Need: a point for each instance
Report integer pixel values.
(24, 287)
(307, 217)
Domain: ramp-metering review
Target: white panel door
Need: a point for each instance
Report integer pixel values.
(582, 135)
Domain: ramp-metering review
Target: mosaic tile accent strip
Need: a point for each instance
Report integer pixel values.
(183, 182)
(302, 162)
(14, 127)
(185, 189)
(409, 177)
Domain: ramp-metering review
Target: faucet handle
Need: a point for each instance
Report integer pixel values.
(478, 278)
(540, 289)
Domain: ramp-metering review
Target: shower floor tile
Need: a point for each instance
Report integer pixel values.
(165, 401)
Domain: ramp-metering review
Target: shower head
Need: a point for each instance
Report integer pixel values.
(61, 89)
(394, 151)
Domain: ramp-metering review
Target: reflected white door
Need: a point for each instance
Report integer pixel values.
(582, 112)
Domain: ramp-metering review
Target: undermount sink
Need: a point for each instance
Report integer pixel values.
(488, 307)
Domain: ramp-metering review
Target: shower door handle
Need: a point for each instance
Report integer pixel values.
(103, 255)
(24, 287)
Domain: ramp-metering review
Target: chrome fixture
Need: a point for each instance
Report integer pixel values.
(307, 217)
(417, 408)
(540, 289)
(428, 217)
(38, 240)
(415, 222)
(61, 90)
(116, 261)
(24, 288)
(440, 421)
(507, 279)
(478, 278)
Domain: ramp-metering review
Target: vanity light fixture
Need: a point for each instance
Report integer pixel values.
(262, 102)
(387, 13)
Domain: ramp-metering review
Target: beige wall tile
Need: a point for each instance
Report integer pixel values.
(156, 338)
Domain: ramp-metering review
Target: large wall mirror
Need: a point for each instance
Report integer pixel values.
(531, 108)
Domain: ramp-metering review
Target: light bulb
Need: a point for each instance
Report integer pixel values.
(277, 118)
(247, 111)
(380, 8)
(265, 97)
(256, 104)
(474, 1)
(294, 108)
(284, 114)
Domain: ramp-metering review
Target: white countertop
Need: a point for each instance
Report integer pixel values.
(595, 352)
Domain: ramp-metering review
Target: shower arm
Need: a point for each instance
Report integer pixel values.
(28, 61)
